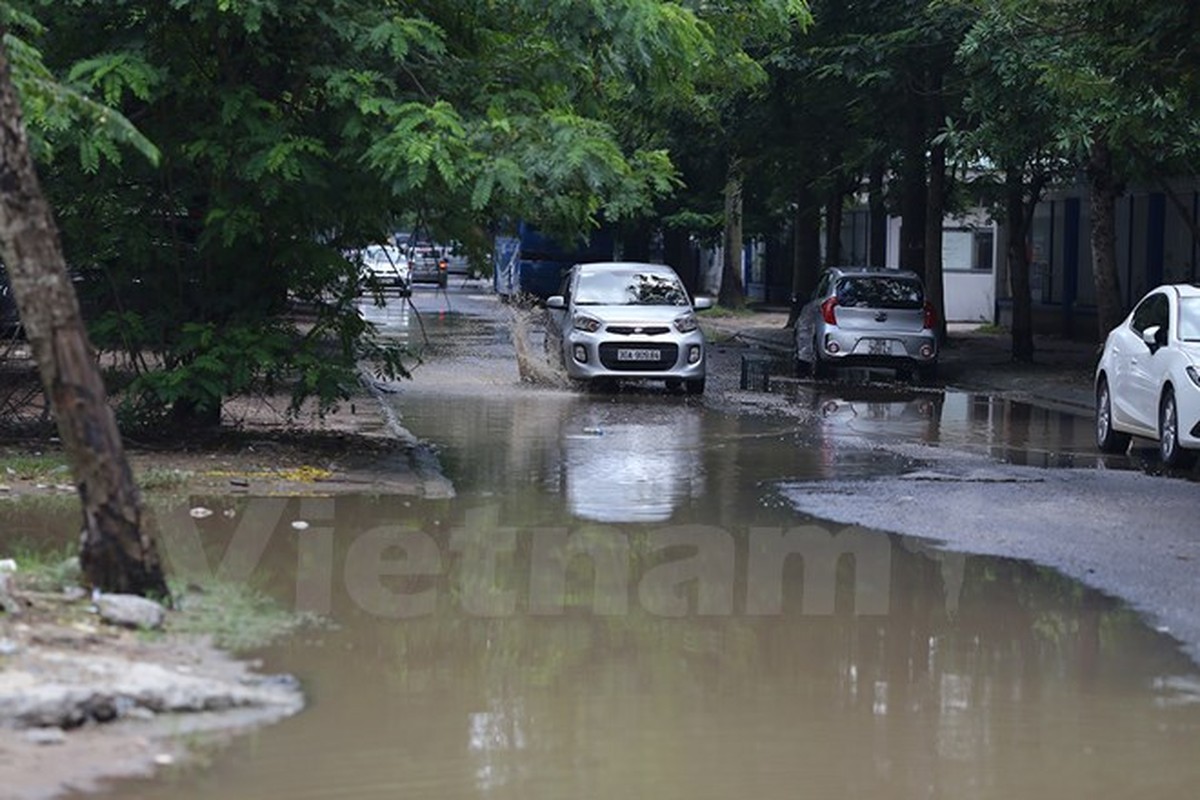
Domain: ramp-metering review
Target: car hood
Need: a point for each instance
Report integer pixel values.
(626, 314)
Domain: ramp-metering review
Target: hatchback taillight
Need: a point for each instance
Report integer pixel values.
(930, 316)
(827, 312)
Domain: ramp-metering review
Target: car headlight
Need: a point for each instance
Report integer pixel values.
(1194, 374)
(583, 322)
(686, 323)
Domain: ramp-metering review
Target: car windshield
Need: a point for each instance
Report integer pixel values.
(880, 292)
(1189, 319)
(378, 253)
(630, 287)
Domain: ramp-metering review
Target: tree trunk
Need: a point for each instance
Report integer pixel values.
(833, 227)
(806, 224)
(935, 212)
(1184, 210)
(1103, 185)
(116, 554)
(878, 213)
(678, 253)
(1018, 265)
(935, 207)
(636, 243)
(733, 294)
(913, 193)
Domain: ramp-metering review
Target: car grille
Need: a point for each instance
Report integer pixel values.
(668, 354)
(640, 330)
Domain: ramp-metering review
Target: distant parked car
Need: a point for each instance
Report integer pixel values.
(387, 266)
(1148, 376)
(428, 263)
(627, 320)
(869, 317)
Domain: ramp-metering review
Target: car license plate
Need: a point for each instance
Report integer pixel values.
(637, 354)
(879, 347)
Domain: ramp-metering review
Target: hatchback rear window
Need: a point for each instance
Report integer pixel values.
(880, 292)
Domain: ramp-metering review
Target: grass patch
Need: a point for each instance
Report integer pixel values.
(156, 479)
(34, 467)
(723, 312)
(236, 616)
(43, 569)
(991, 327)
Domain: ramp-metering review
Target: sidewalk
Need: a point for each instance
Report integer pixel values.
(973, 359)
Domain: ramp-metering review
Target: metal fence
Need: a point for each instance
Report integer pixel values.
(23, 404)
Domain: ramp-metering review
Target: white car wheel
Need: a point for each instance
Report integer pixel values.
(1168, 433)
(1107, 439)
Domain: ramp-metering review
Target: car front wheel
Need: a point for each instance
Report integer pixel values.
(1168, 433)
(695, 386)
(1108, 439)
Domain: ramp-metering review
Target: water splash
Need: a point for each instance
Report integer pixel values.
(533, 360)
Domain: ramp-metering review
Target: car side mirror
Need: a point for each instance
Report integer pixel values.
(1154, 337)
(556, 301)
(702, 303)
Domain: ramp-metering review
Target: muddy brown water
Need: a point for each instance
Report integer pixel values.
(616, 603)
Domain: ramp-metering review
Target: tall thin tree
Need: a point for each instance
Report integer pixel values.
(117, 552)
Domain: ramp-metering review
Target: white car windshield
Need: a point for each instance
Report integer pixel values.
(382, 254)
(1189, 319)
(630, 288)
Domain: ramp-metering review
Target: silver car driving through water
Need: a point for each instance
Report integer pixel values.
(627, 320)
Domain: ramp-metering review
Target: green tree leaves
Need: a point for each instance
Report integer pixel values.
(280, 135)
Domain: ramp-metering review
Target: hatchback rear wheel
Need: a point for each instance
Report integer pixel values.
(927, 373)
(820, 368)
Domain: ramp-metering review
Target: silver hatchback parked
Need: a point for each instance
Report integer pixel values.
(867, 317)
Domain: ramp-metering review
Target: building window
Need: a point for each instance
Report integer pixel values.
(967, 250)
(984, 246)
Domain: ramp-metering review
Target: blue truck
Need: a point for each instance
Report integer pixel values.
(531, 264)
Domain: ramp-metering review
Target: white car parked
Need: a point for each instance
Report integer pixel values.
(387, 267)
(1148, 378)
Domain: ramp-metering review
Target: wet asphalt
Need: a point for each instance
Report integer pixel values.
(974, 473)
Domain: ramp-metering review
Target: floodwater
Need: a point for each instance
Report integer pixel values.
(615, 603)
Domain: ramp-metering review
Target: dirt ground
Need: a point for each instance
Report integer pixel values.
(58, 656)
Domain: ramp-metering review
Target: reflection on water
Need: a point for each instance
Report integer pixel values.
(1006, 430)
(476, 654)
(616, 605)
(507, 643)
(631, 465)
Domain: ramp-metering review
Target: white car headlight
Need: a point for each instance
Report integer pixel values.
(1194, 374)
(583, 322)
(686, 323)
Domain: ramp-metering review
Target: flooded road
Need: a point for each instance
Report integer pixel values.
(620, 601)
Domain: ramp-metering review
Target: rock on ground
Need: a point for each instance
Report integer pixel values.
(131, 611)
